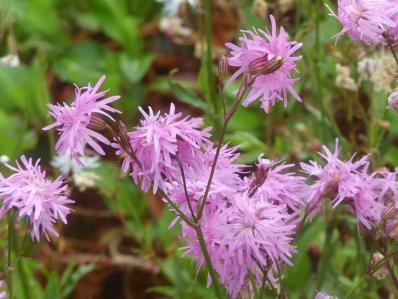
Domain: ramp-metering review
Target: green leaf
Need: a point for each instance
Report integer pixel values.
(185, 95)
(70, 279)
(135, 68)
(52, 287)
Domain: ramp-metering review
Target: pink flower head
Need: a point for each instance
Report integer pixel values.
(210, 227)
(268, 57)
(157, 142)
(73, 122)
(365, 20)
(3, 294)
(321, 295)
(275, 181)
(41, 200)
(393, 100)
(257, 234)
(343, 182)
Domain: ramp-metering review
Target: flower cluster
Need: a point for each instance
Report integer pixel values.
(367, 20)
(267, 58)
(159, 144)
(76, 123)
(250, 226)
(344, 182)
(249, 220)
(34, 196)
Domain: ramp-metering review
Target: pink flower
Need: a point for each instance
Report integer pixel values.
(365, 20)
(274, 182)
(73, 122)
(268, 57)
(41, 200)
(256, 233)
(3, 294)
(321, 295)
(157, 142)
(343, 182)
(393, 100)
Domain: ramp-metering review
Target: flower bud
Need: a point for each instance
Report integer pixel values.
(393, 100)
(223, 67)
(123, 137)
(389, 212)
(260, 176)
(97, 123)
(263, 66)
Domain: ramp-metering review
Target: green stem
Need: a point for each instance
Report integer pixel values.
(368, 274)
(327, 250)
(212, 271)
(10, 221)
(211, 94)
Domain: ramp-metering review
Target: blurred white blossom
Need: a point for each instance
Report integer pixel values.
(344, 79)
(10, 60)
(85, 179)
(381, 70)
(173, 26)
(171, 7)
(67, 165)
(4, 159)
(82, 177)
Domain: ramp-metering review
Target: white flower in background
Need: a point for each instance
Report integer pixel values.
(82, 177)
(344, 79)
(171, 7)
(382, 272)
(85, 179)
(67, 165)
(4, 159)
(260, 8)
(381, 70)
(173, 26)
(10, 60)
(286, 5)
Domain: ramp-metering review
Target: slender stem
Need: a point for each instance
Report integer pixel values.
(368, 274)
(281, 286)
(212, 171)
(209, 60)
(185, 188)
(21, 249)
(9, 263)
(227, 117)
(221, 92)
(392, 274)
(212, 271)
(392, 49)
(177, 209)
(326, 253)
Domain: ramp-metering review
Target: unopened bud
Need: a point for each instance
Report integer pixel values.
(389, 212)
(260, 176)
(97, 123)
(393, 100)
(223, 67)
(263, 66)
(123, 137)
